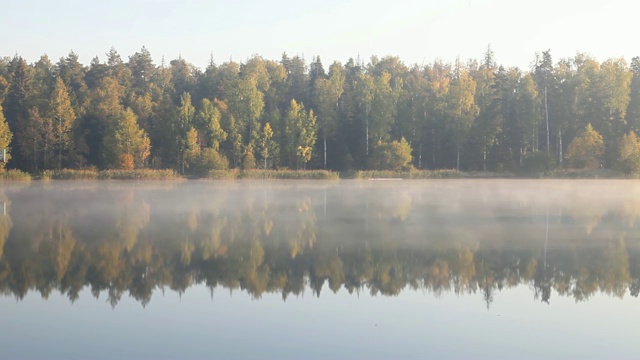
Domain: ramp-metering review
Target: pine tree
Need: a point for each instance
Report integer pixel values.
(17, 102)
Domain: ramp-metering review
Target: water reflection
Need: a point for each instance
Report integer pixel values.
(570, 238)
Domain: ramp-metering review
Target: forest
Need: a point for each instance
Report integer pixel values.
(290, 114)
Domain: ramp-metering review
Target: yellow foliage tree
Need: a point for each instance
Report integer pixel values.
(249, 161)
(63, 117)
(300, 134)
(131, 141)
(5, 138)
(586, 150)
(126, 162)
(629, 153)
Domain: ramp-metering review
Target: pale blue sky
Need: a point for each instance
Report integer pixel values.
(415, 30)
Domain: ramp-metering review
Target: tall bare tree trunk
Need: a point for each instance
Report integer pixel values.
(324, 135)
(560, 146)
(433, 148)
(367, 134)
(546, 116)
(484, 158)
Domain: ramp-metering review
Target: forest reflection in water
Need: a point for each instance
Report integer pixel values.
(559, 238)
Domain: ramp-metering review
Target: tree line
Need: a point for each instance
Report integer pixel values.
(259, 113)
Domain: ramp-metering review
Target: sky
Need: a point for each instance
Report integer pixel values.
(418, 31)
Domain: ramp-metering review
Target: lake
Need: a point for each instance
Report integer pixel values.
(434, 269)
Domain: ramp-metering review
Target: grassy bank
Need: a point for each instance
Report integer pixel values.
(413, 174)
(236, 174)
(585, 174)
(141, 174)
(91, 174)
(14, 175)
(273, 174)
(165, 174)
(68, 174)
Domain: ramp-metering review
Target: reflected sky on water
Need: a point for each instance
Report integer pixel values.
(349, 269)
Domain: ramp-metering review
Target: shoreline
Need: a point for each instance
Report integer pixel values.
(369, 175)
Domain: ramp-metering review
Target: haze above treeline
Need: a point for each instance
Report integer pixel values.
(289, 113)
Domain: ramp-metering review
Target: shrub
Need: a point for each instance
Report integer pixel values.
(395, 155)
(208, 159)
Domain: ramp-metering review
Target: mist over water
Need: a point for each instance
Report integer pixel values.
(359, 250)
(282, 236)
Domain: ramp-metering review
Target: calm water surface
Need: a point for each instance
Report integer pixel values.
(498, 269)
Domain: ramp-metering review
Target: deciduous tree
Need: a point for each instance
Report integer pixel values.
(300, 134)
(63, 118)
(461, 109)
(629, 156)
(586, 150)
(130, 141)
(5, 139)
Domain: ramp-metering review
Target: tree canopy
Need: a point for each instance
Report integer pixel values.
(473, 115)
